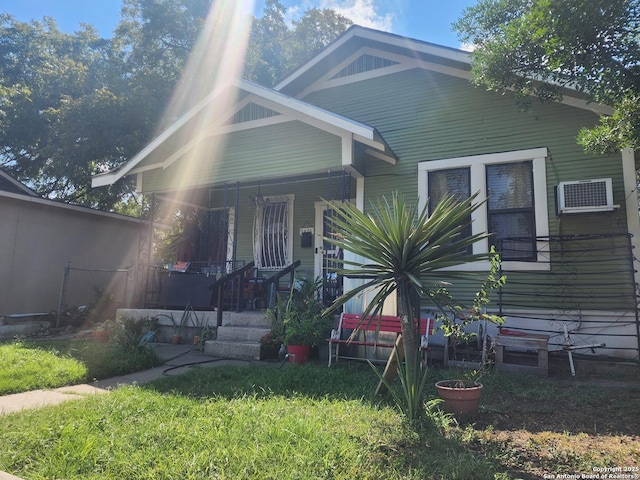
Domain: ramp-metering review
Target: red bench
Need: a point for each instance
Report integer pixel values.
(381, 324)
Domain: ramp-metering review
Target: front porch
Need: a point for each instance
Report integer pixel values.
(232, 247)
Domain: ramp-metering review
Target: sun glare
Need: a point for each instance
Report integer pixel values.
(216, 61)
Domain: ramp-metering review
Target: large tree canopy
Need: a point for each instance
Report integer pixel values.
(539, 48)
(72, 105)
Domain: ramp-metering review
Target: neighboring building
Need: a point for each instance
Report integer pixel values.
(374, 113)
(41, 238)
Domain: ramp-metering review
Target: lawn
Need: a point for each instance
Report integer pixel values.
(29, 365)
(311, 422)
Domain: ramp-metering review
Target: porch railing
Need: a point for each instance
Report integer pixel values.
(574, 274)
(270, 285)
(233, 284)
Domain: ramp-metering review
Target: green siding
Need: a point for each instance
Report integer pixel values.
(422, 116)
(284, 149)
(431, 116)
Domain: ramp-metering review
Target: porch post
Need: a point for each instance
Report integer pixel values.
(633, 222)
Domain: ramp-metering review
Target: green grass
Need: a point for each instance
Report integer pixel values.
(231, 422)
(311, 422)
(29, 365)
(25, 368)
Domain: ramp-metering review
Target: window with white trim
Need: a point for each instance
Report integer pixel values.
(514, 184)
(273, 224)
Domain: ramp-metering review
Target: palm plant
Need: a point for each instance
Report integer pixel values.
(403, 247)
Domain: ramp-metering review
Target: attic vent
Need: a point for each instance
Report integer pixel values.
(585, 196)
(252, 111)
(364, 63)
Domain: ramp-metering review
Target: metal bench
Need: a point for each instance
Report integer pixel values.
(370, 327)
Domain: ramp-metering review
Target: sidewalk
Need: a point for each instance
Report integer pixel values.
(178, 359)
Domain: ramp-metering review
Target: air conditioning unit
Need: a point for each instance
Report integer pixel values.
(585, 196)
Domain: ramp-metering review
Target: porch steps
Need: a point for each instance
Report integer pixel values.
(239, 336)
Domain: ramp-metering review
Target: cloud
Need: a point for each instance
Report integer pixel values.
(468, 47)
(361, 12)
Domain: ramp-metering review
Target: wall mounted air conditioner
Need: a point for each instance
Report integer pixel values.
(585, 196)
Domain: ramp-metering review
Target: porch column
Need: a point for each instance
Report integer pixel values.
(631, 201)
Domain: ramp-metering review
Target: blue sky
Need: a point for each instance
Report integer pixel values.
(428, 20)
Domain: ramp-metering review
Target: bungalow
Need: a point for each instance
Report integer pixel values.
(375, 113)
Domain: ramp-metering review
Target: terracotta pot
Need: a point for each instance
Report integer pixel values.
(298, 353)
(459, 400)
(101, 336)
(196, 340)
(176, 339)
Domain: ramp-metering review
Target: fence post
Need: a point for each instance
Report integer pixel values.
(63, 290)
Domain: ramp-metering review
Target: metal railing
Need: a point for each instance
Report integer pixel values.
(573, 275)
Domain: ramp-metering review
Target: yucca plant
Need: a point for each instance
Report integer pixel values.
(405, 251)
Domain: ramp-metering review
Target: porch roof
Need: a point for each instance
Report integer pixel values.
(179, 138)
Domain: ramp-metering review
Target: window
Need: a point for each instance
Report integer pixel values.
(272, 247)
(514, 184)
(510, 209)
(453, 181)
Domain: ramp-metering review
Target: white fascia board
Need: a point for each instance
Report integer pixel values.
(446, 53)
(104, 179)
(110, 178)
(308, 110)
(403, 64)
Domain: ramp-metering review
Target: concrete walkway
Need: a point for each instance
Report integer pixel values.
(178, 359)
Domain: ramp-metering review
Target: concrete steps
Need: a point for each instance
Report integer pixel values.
(239, 336)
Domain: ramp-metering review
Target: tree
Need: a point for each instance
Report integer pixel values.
(404, 251)
(276, 48)
(73, 105)
(59, 119)
(541, 48)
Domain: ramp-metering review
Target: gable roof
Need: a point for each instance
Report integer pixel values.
(358, 40)
(358, 50)
(272, 100)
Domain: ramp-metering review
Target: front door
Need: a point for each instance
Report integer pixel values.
(326, 257)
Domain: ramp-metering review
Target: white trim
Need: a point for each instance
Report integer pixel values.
(411, 45)
(631, 204)
(19, 185)
(383, 37)
(257, 236)
(286, 106)
(110, 178)
(476, 164)
(404, 63)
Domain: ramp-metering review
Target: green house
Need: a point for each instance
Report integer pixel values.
(375, 113)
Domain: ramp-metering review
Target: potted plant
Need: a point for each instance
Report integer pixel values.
(297, 320)
(203, 331)
(102, 331)
(462, 396)
(179, 326)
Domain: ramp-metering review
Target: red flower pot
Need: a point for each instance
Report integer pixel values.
(298, 353)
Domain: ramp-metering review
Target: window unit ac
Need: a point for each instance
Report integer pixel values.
(585, 196)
